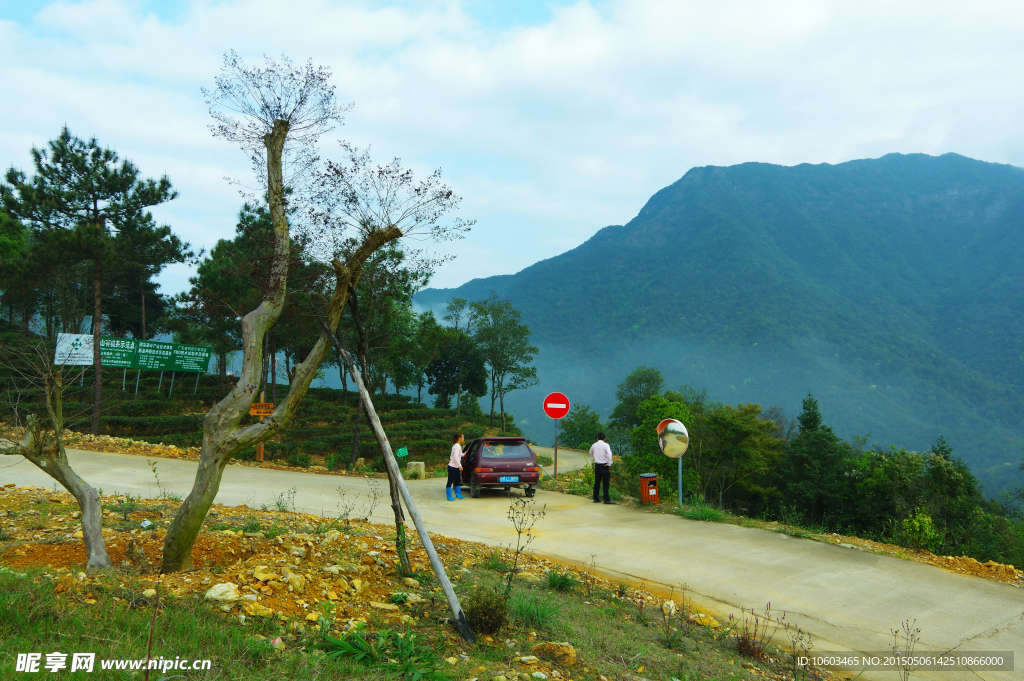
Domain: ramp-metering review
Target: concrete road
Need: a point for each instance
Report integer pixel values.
(846, 598)
(568, 459)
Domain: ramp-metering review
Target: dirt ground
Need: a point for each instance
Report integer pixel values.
(282, 563)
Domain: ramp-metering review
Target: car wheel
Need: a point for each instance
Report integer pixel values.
(474, 488)
(530, 491)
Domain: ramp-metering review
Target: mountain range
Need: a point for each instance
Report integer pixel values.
(890, 288)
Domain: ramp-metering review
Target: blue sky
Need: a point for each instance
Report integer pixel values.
(551, 119)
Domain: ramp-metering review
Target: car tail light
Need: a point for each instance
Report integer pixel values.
(531, 468)
(482, 470)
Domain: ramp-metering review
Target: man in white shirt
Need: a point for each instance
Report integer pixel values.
(602, 454)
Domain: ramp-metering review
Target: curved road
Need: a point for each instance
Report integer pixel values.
(847, 599)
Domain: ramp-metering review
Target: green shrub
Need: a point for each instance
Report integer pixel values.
(920, 530)
(534, 610)
(545, 460)
(495, 562)
(300, 460)
(473, 432)
(486, 609)
(561, 581)
(697, 509)
(150, 425)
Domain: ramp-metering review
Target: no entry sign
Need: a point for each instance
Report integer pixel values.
(556, 405)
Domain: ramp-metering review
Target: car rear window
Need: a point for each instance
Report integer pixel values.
(506, 450)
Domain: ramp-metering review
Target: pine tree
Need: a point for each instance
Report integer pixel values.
(810, 418)
(80, 203)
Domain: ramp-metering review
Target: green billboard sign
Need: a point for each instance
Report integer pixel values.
(129, 353)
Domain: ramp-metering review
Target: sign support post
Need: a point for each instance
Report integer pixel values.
(261, 409)
(679, 490)
(556, 405)
(556, 450)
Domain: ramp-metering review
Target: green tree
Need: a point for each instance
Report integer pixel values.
(505, 344)
(457, 314)
(18, 285)
(646, 456)
(85, 205)
(641, 384)
(737, 470)
(813, 473)
(423, 350)
(459, 367)
(580, 427)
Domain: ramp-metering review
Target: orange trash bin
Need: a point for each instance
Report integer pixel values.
(649, 488)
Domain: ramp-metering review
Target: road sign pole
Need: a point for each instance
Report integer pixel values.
(556, 450)
(197, 384)
(160, 385)
(137, 377)
(679, 493)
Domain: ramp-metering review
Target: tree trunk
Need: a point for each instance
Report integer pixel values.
(142, 297)
(396, 506)
(97, 363)
(222, 362)
(344, 384)
(492, 408)
(502, 412)
(273, 373)
(47, 453)
(222, 435)
(355, 436)
(263, 364)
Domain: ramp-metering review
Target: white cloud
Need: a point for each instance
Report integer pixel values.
(549, 131)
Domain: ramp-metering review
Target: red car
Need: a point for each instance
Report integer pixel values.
(505, 462)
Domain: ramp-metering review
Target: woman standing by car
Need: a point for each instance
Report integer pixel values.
(455, 468)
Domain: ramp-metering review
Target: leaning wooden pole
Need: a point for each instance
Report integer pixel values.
(389, 459)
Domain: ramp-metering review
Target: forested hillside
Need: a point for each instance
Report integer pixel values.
(891, 288)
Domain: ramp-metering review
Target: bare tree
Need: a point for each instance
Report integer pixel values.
(356, 199)
(42, 440)
(277, 114)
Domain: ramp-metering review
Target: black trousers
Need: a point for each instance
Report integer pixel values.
(602, 474)
(454, 477)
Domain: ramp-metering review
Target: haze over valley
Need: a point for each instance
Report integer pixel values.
(889, 288)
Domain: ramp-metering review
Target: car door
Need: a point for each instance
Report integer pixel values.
(469, 462)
